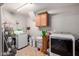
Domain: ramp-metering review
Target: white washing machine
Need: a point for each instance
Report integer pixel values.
(21, 40)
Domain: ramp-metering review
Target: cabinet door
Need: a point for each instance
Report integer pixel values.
(44, 19)
(38, 20)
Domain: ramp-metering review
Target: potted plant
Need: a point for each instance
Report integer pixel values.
(44, 42)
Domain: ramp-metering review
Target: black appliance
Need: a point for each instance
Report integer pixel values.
(62, 46)
(77, 47)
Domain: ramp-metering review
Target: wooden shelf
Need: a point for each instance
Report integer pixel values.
(42, 19)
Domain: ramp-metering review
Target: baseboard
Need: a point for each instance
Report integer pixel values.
(22, 47)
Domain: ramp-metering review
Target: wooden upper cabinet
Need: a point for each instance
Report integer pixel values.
(44, 19)
(38, 20)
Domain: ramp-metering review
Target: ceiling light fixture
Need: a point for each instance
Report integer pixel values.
(23, 6)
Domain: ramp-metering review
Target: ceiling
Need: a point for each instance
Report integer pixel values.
(35, 7)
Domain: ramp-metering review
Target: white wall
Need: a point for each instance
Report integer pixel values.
(13, 18)
(31, 23)
(65, 20)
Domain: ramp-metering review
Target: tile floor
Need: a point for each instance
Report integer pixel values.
(29, 51)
